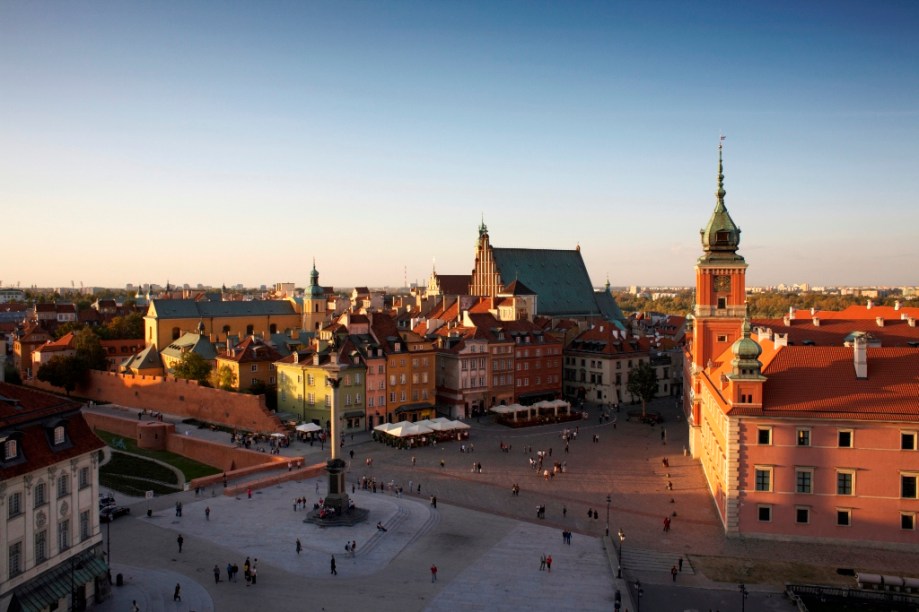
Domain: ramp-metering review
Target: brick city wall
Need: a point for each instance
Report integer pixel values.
(179, 397)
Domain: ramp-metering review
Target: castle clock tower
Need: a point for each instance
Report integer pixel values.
(720, 306)
(314, 303)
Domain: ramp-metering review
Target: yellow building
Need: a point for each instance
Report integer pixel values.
(167, 320)
(304, 387)
(251, 362)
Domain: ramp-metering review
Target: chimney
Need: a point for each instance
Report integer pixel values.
(870, 304)
(791, 313)
(296, 356)
(911, 321)
(786, 320)
(813, 311)
(781, 340)
(816, 321)
(861, 357)
(896, 305)
(879, 321)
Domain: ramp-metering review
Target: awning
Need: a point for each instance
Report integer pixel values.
(354, 414)
(308, 427)
(414, 407)
(55, 584)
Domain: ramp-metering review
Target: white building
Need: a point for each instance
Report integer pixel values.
(49, 515)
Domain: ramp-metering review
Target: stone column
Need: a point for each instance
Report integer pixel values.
(337, 496)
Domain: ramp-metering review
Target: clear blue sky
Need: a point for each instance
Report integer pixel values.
(226, 142)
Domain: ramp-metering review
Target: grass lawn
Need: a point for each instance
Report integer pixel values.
(192, 469)
(133, 475)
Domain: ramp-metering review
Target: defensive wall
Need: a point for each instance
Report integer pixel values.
(177, 396)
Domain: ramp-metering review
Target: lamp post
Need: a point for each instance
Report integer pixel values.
(621, 541)
(743, 596)
(640, 592)
(609, 498)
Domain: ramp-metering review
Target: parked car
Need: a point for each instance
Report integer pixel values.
(110, 513)
(106, 500)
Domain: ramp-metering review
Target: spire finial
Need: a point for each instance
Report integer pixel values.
(721, 192)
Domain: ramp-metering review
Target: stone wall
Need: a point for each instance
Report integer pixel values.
(178, 397)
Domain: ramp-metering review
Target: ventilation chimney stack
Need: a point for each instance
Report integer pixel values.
(860, 345)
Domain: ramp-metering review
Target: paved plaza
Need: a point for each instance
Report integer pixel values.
(486, 542)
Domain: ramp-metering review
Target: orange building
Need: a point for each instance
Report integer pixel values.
(804, 432)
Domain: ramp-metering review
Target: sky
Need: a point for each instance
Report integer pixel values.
(234, 142)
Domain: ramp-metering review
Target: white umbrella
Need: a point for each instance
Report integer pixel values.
(308, 427)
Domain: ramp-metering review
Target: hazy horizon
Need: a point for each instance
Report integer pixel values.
(235, 143)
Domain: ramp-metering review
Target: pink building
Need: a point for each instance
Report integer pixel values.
(807, 430)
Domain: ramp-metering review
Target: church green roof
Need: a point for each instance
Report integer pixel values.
(721, 237)
(188, 309)
(558, 277)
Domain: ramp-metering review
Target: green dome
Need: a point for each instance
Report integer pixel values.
(721, 235)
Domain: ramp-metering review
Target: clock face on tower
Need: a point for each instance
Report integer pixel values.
(722, 283)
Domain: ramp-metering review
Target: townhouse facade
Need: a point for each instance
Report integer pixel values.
(49, 491)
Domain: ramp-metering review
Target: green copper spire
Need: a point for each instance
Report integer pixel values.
(721, 236)
(482, 227)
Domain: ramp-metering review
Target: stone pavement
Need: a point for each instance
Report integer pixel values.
(483, 539)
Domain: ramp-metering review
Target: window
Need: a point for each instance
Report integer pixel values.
(63, 485)
(802, 515)
(764, 436)
(58, 435)
(63, 534)
(908, 486)
(763, 479)
(908, 440)
(764, 513)
(804, 480)
(84, 477)
(254, 367)
(722, 303)
(40, 496)
(10, 450)
(843, 517)
(15, 504)
(15, 560)
(41, 546)
(845, 438)
(804, 437)
(328, 401)
(907, 521)
(845, 482)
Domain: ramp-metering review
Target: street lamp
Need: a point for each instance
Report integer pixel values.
(609, 498)
(743, 596)
(621, 540)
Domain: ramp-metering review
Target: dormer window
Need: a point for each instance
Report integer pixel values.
(59, 435)
(10, 450)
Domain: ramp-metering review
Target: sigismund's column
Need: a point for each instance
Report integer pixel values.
(337, 496)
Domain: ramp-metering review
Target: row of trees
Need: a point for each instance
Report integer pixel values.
(130, 326)
(68, 372)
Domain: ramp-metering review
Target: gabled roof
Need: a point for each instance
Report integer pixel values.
(191, 341)
(191, 309)
(252, 350)
(146, 359)
(454, 284)
(609, 308)
(558, 277)
(517, 288)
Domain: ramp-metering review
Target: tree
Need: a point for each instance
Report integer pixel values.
(89, 349)
(643, 384)
(226, 378)
(66, 372)
(11, 374)
(193, 367)
(130, 326)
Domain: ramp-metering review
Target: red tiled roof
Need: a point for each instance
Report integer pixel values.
(820, 381)
(454, 284)
(251, 350)
(28, 411)
(833, 330)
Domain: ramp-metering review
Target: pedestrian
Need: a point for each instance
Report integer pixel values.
(229, 572)
(542, 562)
(177, 595)
(180, 540)
(178, 509)
(441, 464)
(254, 573)
(317, 486)
(299, 546)
(434, 501)
(590, 513)
(207, 513)
(413, 460)
(673, 572)
(549, 564)
(663, 436)
(334, 571)
(564, 511)
(134, 606)
(216, 574)
(352, 454)
(433, 573)
(249, 491)
(680, 564)
(353, 547)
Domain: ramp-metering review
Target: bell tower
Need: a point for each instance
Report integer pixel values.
(314, 303)
(720, 305)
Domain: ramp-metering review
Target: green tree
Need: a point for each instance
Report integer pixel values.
(193, 367)
(226, 378)
(130, 326)
(11, 374)
(89, 349)
(643, 384)
(66, 372)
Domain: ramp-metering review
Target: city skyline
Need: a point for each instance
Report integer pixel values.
(228, 145)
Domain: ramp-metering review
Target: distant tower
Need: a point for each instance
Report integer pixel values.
(720, 300)
(314, 303)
